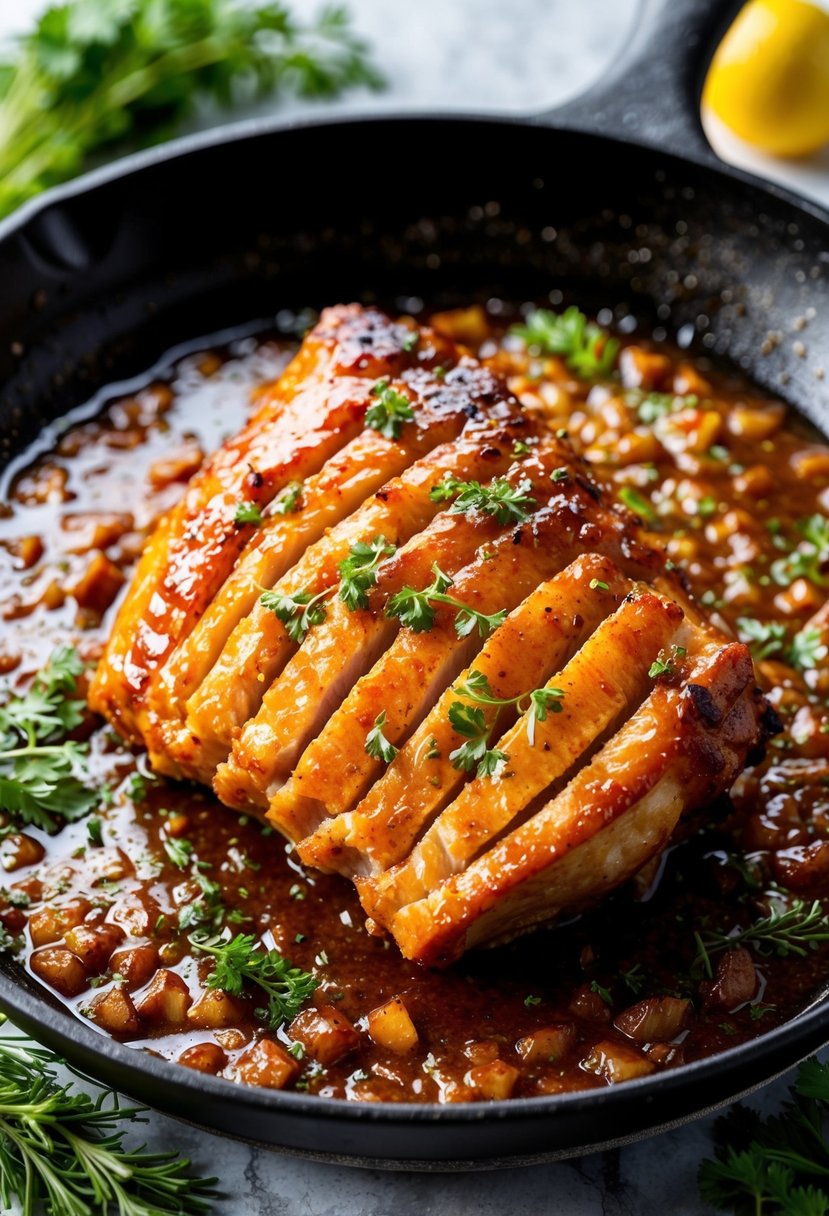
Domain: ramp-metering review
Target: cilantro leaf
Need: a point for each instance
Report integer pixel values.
(42, 779)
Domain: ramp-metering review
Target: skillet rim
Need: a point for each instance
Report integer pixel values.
(785, 1044)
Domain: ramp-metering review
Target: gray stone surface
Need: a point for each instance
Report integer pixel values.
(524, 55)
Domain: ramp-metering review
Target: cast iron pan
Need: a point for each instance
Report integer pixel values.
(97, 279)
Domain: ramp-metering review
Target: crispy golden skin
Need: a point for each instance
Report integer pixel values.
(312, 411)
(212, 681)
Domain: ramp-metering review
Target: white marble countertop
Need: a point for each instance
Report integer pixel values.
(489, 56)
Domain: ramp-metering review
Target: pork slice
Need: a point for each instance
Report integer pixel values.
(682, 746)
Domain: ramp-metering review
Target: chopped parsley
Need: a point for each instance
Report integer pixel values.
(665, 662)
(247, 513)
(290, 500)
(587, 349)
(809, 558)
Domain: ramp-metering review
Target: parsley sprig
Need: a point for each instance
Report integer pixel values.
(388, 413)
(475, 753)
(93, 73)
(297, 612)
(786, 931)
(42, 774)
(505, 502)
(62, 1151)
(415, 609)
(377, 745)
(358, 571)
(536, 704)
(777, 1166)
(588, 349)
(300, 610)
(239, 961)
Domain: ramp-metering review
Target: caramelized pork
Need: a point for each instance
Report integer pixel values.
(599, 703)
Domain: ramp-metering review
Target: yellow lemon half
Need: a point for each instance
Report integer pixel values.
(769, 79)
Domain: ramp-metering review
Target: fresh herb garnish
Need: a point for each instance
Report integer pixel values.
(358, 571)
(588, 349)
(206, 910)
(62, 1151)
(765, 641)
(290, 500)
(471, 722)
(505, 502)
(636, 502)
(94, 73)
(653, 406)
(807, 649)
(597, 584)
(238, 961)
(179, 851)
(247, 513)
(784, 932)
(377, 745)
(601, 991)
(535, 704)
(665, 662)
(42, 775)
(297, 612)
(809, 558)
(389, 412)
(415, 609)
(776, 1166)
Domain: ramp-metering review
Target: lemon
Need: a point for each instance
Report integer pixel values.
(769, 79)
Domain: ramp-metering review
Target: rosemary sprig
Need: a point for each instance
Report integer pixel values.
(62, 1151)
(784, 932)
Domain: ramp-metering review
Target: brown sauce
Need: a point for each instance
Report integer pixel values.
(724, 478)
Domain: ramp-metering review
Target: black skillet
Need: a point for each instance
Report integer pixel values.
(98, 278)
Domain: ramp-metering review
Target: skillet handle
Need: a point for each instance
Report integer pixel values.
(651, 94)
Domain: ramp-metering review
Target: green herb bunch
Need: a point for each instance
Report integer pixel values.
(42, 774)
(777, 1166)
(96, 73)
(62, 1152)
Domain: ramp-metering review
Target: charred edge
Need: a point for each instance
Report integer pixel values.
(704, 704)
